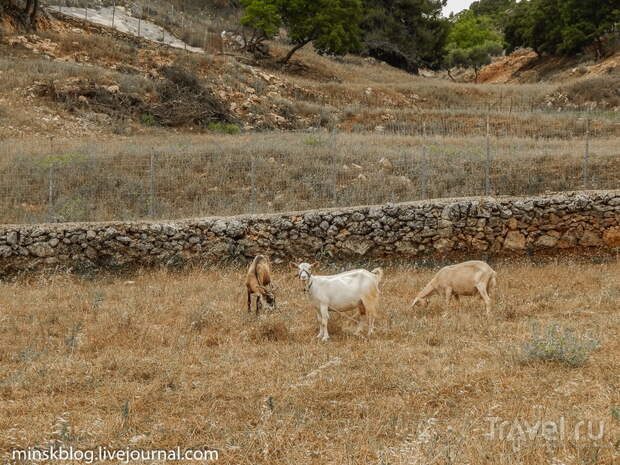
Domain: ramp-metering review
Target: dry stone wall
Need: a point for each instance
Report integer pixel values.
(468, 226)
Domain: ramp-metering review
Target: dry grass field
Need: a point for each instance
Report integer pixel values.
(162, 359)
(184, 176)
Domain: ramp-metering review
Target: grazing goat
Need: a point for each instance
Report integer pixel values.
(357, 289)
(468, 278)
(258, 283)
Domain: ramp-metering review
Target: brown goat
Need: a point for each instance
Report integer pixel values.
(258, 283)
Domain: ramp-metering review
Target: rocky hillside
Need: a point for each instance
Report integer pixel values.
(77, 78)
(525, 66)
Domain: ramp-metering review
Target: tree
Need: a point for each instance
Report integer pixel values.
(586, 22)
(562, 27)
(472, 42)
(545, 31)
(517, 28)
(491, 7)
(331, 25)
(407, 34)
(260, 22)
(497, 10)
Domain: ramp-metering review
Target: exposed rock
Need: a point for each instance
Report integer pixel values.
(219, 227)
(235, 229)
(611, 237)
(479, 244)
(514, 241)
(546, 241)
(512, 223)
(590, 239)
(444, 244)
(41, 249)
(12, 237)
(357, 245)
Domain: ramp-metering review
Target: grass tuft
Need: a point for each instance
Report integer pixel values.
(271, 331)
(559, 344)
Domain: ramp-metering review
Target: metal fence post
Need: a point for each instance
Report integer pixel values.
(334, 146)
(140, 18)
(152, 187)
(50, 192)
(424, 173)
(253, 184)
(586, 155)
(487, 170)
(183, 25)
(113, 11)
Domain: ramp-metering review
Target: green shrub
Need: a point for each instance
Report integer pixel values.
(148, 120)
(224, 128)
(312, 141)
(560, 344)
(61, 159)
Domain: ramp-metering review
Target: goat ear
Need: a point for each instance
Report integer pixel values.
(314, 263)
(293, 265)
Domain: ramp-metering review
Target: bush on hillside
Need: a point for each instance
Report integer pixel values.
(181, 100)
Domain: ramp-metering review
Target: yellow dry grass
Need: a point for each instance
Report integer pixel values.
(166, 359)
(202, 175)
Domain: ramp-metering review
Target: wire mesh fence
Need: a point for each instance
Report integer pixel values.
(190, 176)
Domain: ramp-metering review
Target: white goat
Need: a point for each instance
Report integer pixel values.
(357, 289)
(468, 278)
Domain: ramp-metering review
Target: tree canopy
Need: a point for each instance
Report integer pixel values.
(496, 10)
(261, 21)
(472, 41)
(333, 26)
(562, 27)
(407, 34)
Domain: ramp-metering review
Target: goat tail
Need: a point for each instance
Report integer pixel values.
(379, 273)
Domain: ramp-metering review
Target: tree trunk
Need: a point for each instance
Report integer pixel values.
(599, 48)
(33, 14)
(292, 52)
(30, 13)
(450, 75)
